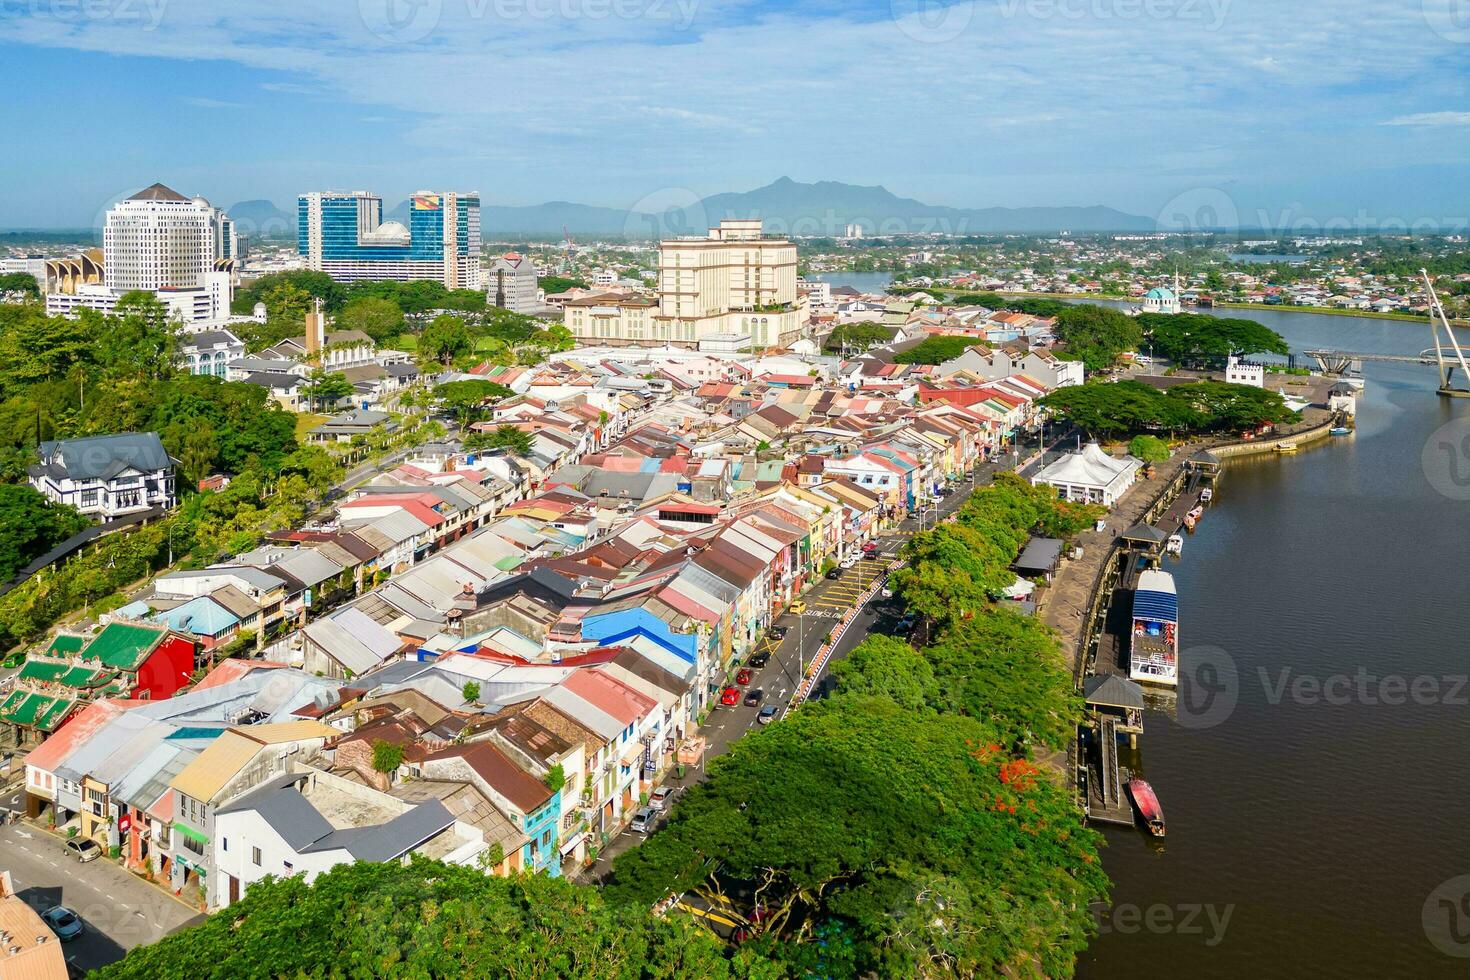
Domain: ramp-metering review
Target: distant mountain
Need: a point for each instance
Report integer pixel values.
(828, 207)
(825, 208)
(262, 219)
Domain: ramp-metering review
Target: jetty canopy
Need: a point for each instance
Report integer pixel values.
(1112, 691)
(1144, 534)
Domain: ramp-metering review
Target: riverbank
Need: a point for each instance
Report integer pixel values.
(1219, 304)
(1073, 602)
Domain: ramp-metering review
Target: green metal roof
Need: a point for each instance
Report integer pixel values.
(123, 645)
(63, 645)
(29, 710)
(42, 670)
(80, 677)
(16, 697)
(55, 714)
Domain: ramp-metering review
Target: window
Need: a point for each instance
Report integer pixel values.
(255, 856)
(224, 843)
(287, 865)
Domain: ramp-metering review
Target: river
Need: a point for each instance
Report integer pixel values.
(1310, 824)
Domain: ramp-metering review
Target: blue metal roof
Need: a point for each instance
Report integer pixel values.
(1157, 606)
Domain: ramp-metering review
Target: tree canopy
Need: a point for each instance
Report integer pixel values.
(469, 400)
(30, 526)
(1110, 409)
(429, 919)
(1197, 338)
(1096, 335)
(857, 337)
(518, 441)
(913, 836)
(936, 350)
(443, 340)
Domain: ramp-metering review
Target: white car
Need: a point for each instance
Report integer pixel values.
(849, 561)
(887, 592)
(642, 821)
(659, 798)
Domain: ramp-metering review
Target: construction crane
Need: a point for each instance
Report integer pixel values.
(571, 246)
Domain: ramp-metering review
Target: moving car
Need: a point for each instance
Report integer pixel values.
(755, 697)
(642, 821)
(730, 696)
(63, 921)
(84, 849)
(778, 632)
(660, 797)
(742, 676)
(758, 659)
(767, 715)
(798, 607)
(887, 592)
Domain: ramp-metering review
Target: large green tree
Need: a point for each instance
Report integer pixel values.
(915, 837)
(469, 400)
(1096, 335)
(379, 318)
(30, 527)
(429, 919)
(443, 340)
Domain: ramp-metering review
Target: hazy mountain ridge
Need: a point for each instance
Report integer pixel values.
(824, 208)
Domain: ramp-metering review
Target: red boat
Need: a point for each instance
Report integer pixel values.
(1148, 806)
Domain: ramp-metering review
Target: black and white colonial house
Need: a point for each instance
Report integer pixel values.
(106, 477)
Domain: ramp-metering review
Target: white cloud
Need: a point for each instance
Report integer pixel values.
(1431, 119)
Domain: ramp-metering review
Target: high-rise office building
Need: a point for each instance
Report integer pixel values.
(344, 235)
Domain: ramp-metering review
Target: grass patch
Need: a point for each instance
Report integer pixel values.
(305, 422)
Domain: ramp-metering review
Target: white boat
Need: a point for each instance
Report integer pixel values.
(1153, 656)
(1206, 495)
(1175, 544)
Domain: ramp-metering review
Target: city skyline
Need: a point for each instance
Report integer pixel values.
(1275, 114)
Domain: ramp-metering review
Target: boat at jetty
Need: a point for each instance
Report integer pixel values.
(1206, 495)
(1153, 655)
(1148, 806)
(1286, 447)
(1341, 430)
(1175, 544)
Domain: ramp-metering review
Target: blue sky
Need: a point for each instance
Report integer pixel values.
(1282, 112)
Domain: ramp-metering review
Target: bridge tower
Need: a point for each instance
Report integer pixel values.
(1447, 367)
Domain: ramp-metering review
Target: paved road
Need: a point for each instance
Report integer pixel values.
(120, 910)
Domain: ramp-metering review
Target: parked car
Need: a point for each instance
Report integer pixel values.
(778, 632)
(730, 696)
(758, 660)
(659, 798)
(834, 572)
(742, 676)
(767, 715)
(755, 697)
(84, 849)
(849, 561)
(870, 549)
(887, 593)
(798, 607)
(642, 821)
(63, 921)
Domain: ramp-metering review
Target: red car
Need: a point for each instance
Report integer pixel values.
(742, 676)
(731, 696)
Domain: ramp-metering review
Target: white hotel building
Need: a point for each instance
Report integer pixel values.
(735, 280)
(181, 249)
